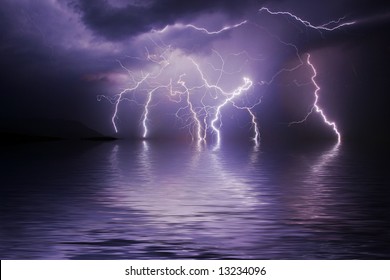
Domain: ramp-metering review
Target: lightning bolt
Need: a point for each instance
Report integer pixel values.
(315, 106)
(201, 105)
(194, 114)
(323, 27)
(119, 99)
(255, 138)
(225, 28)
(230, 96)
(146, 109)
(247, 84)
(201, 29)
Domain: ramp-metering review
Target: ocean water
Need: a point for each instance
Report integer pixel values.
(150, 200)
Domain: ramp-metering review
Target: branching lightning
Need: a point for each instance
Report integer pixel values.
(315, 106)
(120, 96)
(194, 114)
(197, 89)
(247, 84)
(324, 27)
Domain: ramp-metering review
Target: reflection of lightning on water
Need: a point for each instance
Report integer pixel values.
(201, 105)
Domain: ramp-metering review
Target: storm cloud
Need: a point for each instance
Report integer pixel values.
(58, 56)
(136, 17)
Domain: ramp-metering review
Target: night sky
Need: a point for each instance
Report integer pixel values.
(58, 58)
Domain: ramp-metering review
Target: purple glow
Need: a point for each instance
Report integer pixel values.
(201, 85)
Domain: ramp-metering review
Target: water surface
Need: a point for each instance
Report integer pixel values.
(147, 200)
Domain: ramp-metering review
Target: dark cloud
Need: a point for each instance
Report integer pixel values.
(121, 22)
(366, 8)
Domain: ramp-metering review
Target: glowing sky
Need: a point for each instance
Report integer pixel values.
(60, 57)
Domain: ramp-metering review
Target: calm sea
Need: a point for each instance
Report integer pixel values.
(147, 200)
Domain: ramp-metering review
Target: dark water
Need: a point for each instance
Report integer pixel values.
(119, 200)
